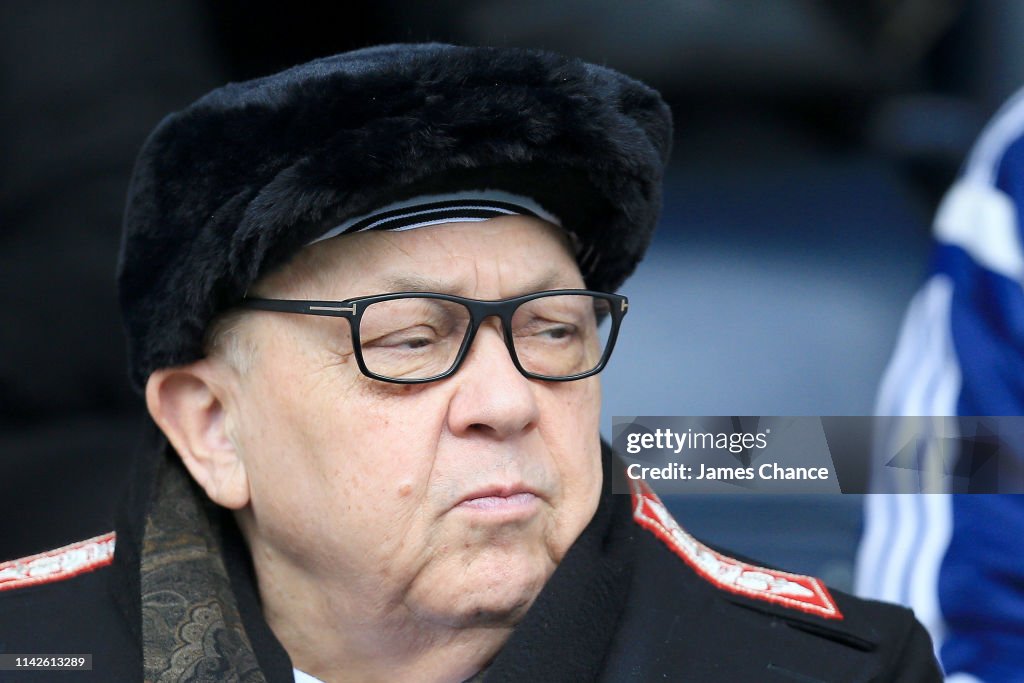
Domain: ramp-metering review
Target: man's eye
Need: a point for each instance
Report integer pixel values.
(546, 330)
(557, 332)
(404, 340)
(416, 343)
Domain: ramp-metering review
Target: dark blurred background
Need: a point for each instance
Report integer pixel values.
(813, 142)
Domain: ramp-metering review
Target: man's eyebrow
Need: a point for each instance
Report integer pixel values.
(552, 279)
(417, 283)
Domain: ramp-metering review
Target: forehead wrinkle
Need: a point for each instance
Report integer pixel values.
(394, 240)
(413, 278)
(508, 284)
(429, 260)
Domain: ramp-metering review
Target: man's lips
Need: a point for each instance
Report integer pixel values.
(500, 498)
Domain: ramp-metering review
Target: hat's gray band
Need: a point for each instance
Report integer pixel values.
(457, 207)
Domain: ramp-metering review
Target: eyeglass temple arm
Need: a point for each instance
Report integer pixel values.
(332, 308)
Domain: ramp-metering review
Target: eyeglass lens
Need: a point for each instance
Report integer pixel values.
(419, 337)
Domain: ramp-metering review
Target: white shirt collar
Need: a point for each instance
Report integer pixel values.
(303, 677)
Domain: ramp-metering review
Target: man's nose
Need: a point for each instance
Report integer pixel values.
(492, 397)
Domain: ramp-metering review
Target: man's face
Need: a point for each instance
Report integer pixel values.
(450, 502)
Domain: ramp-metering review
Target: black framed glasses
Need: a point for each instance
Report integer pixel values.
(414, 337)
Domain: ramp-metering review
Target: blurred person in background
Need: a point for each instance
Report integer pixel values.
(957, 558)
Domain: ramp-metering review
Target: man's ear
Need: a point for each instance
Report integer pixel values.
(189, 405)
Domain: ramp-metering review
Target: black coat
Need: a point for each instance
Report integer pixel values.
(635, 599)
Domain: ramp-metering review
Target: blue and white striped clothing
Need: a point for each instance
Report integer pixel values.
(958, 560)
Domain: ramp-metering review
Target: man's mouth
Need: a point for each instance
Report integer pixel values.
(517, 499)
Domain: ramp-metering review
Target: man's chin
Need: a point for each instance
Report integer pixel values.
(503, 612)
(491, 592)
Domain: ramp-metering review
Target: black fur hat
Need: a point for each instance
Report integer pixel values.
(232, 186)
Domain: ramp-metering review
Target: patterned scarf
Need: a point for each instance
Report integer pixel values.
(191, 626)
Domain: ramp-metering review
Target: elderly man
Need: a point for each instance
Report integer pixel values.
(368, 299)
